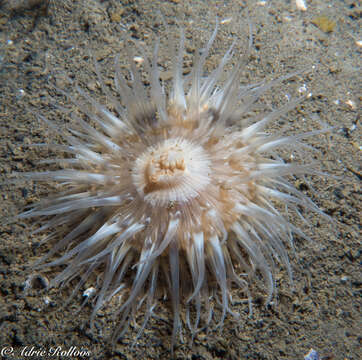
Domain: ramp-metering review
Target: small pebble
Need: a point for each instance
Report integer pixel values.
(19, 94)
(36, 282)
(324, 23)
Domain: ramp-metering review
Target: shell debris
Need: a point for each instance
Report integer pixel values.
(312, 355)
(301, 5)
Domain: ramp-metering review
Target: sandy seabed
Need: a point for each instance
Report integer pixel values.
(39, 42)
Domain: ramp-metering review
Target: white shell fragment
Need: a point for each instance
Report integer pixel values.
(302, 89)
(226, 21)
(301, 5)
(351, 104)
(312, 355)
(138, 60)
(47, 300)
(88, 293)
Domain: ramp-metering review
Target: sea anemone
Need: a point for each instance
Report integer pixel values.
(168, 192)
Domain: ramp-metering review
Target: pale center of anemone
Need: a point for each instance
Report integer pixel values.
(174, 170)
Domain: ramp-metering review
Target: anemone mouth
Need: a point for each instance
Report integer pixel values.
(174, 170)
